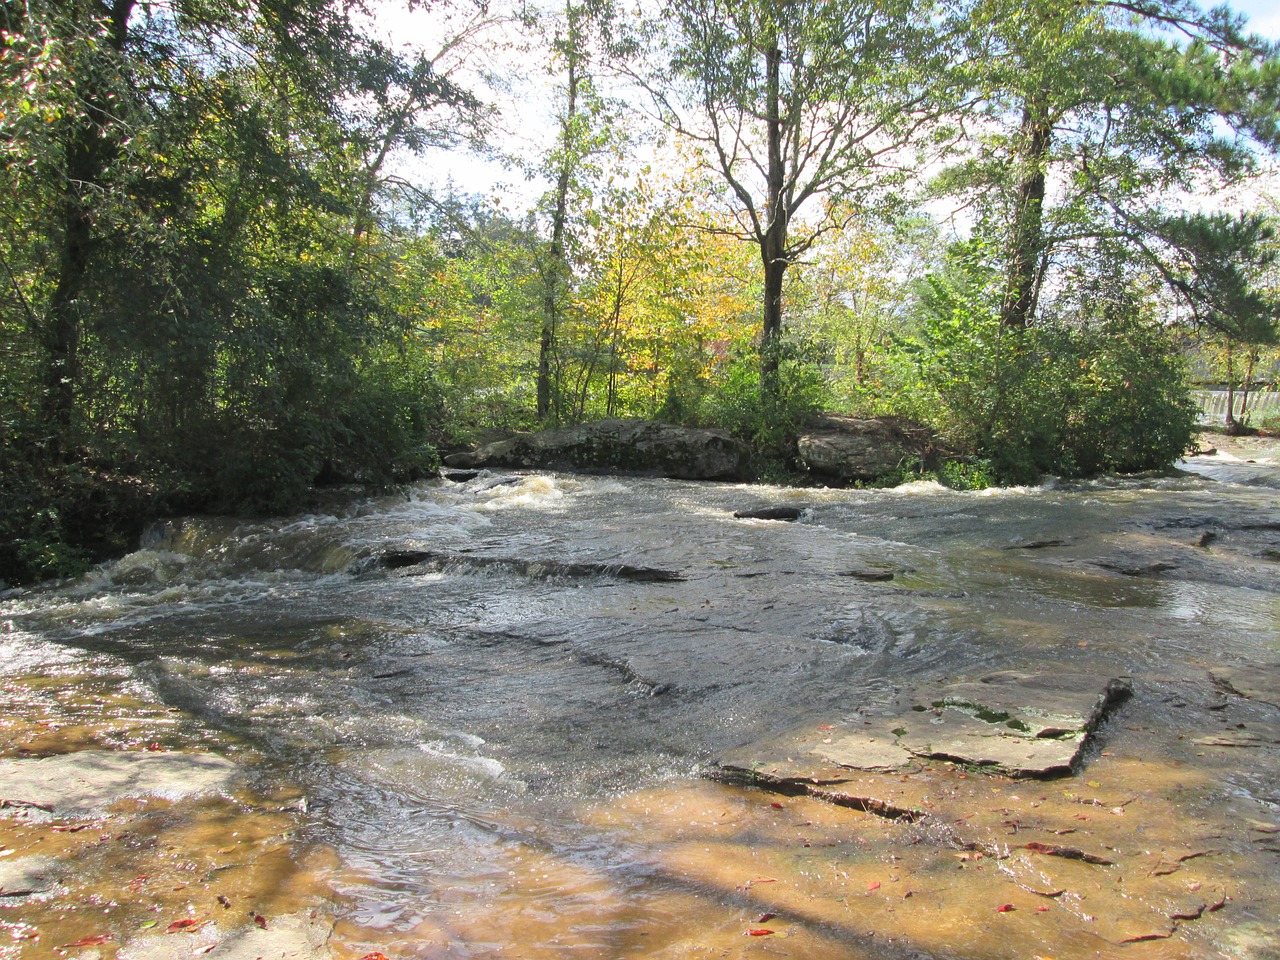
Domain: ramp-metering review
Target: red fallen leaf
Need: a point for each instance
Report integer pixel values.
(184, 924)
(154, 747)
(1005, 908)
(89, 941)
(825, 726)
(373, 956)
(776, 806)
(1042, 909)
(873, 885)
(765, 917)
(260, 920)
(759, 932)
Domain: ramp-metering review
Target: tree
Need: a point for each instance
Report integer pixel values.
(804, 108)
(184, 294)
(583, 130)
(855, 297)
(1091, 117)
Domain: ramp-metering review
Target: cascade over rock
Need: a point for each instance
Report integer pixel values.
(622, 446)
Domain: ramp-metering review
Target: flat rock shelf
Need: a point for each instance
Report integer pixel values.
(1020, 725)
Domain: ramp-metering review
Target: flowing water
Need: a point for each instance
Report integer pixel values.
(502, 742)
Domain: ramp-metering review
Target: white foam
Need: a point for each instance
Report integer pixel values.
(487, 766)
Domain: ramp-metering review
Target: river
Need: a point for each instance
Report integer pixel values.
(510, 747)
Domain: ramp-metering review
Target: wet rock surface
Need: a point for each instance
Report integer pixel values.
(88, 782)
(499, 760)
(113, 844)
(300, 937)
(1110, 850)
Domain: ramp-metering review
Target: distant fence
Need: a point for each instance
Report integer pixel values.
(1213, 405)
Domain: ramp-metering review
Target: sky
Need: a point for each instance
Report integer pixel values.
(525, 126)
(1264, 16)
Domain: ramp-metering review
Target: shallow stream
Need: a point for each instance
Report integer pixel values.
(510, 747)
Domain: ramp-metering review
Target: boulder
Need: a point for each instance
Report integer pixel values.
(850, 449)
(619, 446)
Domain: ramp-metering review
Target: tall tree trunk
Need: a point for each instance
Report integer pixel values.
(1251, 356)
(773, 243)
(90, 150)
(556, 269)
(1231, 390)
(1027, 240)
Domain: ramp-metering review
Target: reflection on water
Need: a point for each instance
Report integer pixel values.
(507, 758)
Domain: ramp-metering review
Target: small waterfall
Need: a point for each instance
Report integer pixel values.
(1213, 406)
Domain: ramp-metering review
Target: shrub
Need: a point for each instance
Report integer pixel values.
(1067, 399)
(767, 419)
(1128, 407)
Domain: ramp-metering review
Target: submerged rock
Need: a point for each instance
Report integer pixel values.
(299, 937)
(619, 446)
(787, 514)
(849, 449)
(874, 574)
(27, 875)
(433, 561)
(1137, 568)
(1260, 683)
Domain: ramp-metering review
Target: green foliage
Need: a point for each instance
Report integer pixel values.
(213, 294)
(1128, 406)
(1218, 261)
(1097, 116)
(688, 391)
(962, 473)
(768, 419)
(973, 473)
(201, 296)
(32, 531)
(1061, 398)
